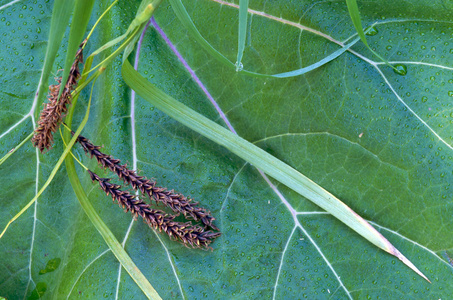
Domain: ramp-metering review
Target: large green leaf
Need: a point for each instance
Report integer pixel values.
(379, 141)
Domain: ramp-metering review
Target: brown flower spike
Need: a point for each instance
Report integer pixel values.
(177, 202)
(190, 235)
(53, 111)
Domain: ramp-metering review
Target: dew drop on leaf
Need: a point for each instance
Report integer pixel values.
(371, 31)
(239, 66)
(400, 69)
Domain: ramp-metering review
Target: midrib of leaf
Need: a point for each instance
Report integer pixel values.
(407, 62)
(283, 21)
(83, 271)
(335, 136)
(134, 158)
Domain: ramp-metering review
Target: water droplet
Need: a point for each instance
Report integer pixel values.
(239, 66)
(400, 69)
(371, 31)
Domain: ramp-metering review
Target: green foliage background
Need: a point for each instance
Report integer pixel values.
(379, 141)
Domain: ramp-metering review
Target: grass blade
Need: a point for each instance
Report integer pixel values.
(60, 19)
(260, 159)
(309, 68)
(144, 13)
(355, 17)
(10, 152)
(80, 18)
(107, 235)
(243, 8)
(185, 19)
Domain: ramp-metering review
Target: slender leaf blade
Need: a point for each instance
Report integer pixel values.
(80, 18)
(62, 10)
(242, 31)
(262, 160)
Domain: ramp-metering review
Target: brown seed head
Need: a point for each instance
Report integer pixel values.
(177, 202)
(190, 235)
(54, 110)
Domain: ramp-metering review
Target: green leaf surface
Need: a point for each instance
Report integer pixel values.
(379, 141)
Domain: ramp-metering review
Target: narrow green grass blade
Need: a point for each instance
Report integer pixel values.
(185, 19)
(100, 18)
(60, 19)
(10, 152)
(355, 17)
(242, 34)
(116, 248)
(80, 18)
(260, 159)
(309, 68)
(144, 13)
(132, 34)
(146, 8)
(110, 44)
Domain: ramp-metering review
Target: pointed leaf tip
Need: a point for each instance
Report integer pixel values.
(408, 263)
